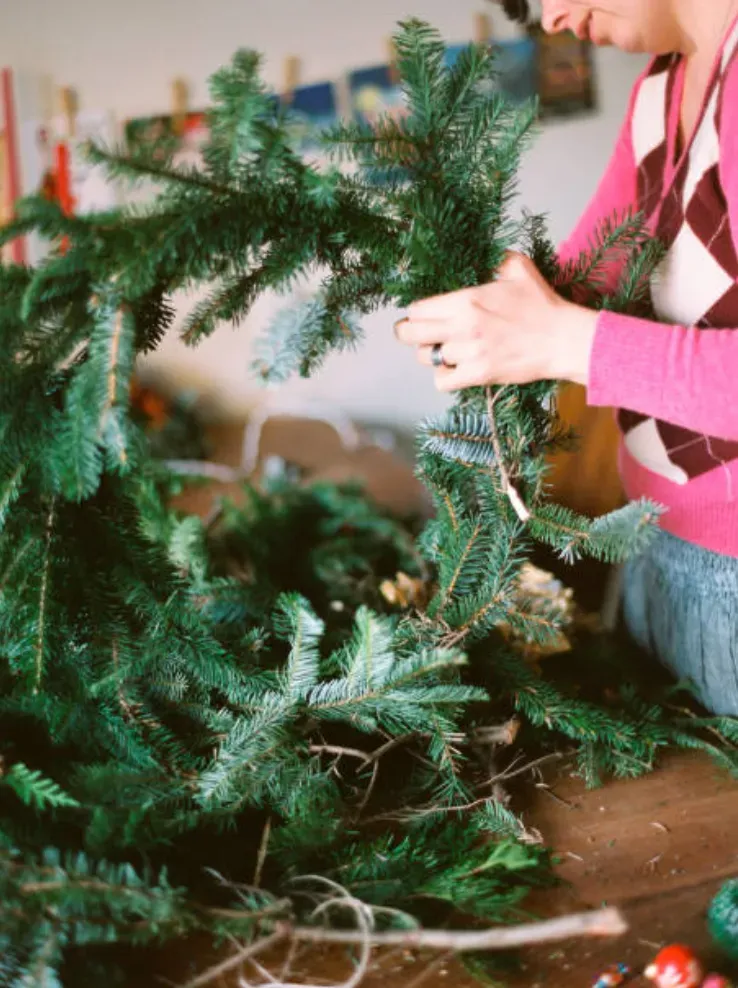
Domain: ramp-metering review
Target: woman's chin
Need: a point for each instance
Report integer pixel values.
(625, 42)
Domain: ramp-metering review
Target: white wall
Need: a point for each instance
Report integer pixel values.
(123, 54)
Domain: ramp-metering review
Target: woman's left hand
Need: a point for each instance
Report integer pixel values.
(514, 330)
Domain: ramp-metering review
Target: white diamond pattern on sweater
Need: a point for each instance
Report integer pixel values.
(696, 284)
(680, 297)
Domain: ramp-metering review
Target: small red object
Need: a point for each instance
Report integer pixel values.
(613, 976)
(675, 967)
(716, 981)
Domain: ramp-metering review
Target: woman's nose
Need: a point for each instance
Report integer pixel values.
(555, 16)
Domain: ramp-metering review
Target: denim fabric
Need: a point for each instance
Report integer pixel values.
(680, 602)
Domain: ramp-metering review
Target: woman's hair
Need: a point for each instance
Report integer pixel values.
(516, 10)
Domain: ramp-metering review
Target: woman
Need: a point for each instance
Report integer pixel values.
(674, 382)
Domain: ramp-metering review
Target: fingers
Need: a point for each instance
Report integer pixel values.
(457, 378)
(453, 353)
(445, 306)
(424, 332)
(473, 375)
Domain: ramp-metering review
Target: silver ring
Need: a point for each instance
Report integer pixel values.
(437, 355)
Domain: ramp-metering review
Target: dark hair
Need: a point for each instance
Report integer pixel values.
(516, 10)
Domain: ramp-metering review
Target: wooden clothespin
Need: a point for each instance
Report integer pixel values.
(69, 106)
(291, 77)
(394, 72)
(482, 29)
(63, 155)
(180, 101)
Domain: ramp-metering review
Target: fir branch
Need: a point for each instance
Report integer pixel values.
(15, 562)
(40, 644)
(461, 560)
(151, 163)
(31, 786)
(10, 490)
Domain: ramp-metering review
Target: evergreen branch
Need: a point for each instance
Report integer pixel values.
(34, 788)
(40, 645)
(10, 490)
(296, 621)
(450, 587)
(613, 537)
(15, 562)
(151, 163)
(112, 395)
(459, 437)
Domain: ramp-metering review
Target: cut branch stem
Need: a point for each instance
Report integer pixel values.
(515, 499)
(601, 923)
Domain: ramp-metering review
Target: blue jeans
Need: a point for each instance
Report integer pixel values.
(680, 603)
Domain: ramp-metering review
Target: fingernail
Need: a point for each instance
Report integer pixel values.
(398, 323)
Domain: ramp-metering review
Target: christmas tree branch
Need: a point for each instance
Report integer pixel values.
(40, 646)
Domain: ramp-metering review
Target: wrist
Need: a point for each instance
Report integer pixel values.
(573, 341)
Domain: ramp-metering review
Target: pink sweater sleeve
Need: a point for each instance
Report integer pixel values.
(679, 374)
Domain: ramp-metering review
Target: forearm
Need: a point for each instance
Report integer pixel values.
(680, 375)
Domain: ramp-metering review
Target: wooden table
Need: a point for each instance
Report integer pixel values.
(658, 847)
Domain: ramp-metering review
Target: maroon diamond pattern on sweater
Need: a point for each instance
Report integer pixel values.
(697, 282)
(650, 179)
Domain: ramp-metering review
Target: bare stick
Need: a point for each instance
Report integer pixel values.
(260, 969)
(205, 469)
(497, 733)
(388, 746)
(334, 749)
(237, 959)
(507, 486)
(600, 923)
(511, 772)
(370, 788)
(263, 848)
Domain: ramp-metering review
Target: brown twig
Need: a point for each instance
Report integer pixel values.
(263, 848)
(421, 811)
(599, 923)
(511, 773)
(497, 733)
(388, 746)
(238, 958)
(507, 486)
(334, 749)
(370, 788)
(554, 796)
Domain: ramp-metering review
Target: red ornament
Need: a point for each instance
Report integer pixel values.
(675, 967)
(716, 981)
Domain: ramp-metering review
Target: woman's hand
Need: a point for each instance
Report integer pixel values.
(514, 330)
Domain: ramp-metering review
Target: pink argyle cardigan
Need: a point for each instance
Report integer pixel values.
(675, 382)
